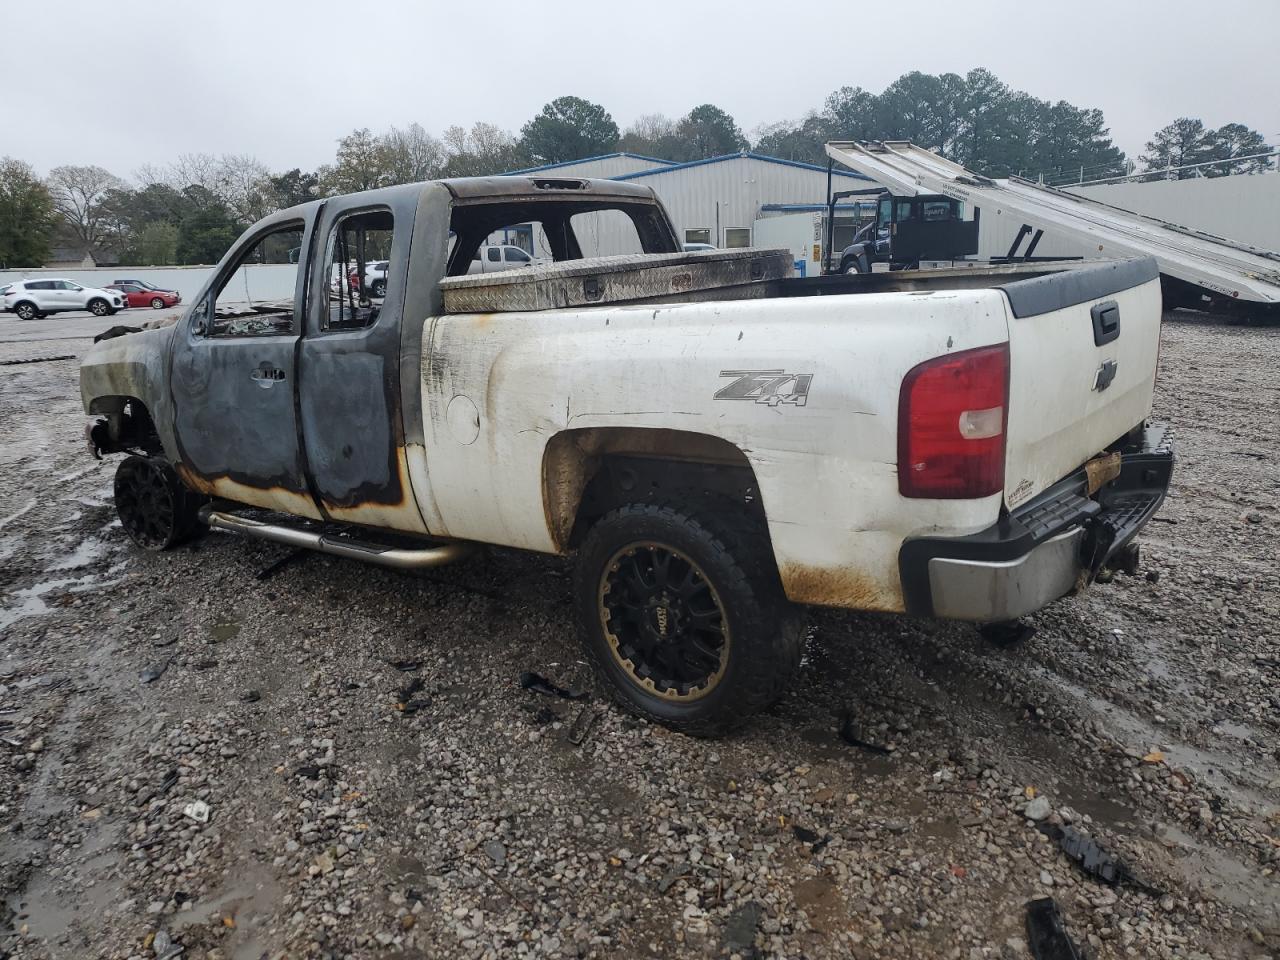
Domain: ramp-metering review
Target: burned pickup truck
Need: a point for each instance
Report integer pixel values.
(716, 442)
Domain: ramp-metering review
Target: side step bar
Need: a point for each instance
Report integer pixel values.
(399, 558)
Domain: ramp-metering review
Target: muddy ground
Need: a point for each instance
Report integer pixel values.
(470, 825)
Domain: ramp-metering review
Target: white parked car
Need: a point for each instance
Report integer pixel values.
(32, 299)
(502, 256)
(375, 278)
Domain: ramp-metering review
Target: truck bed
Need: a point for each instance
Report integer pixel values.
(716, 275)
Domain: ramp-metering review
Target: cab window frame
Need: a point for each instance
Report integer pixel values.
(203, 315)
(326, 251)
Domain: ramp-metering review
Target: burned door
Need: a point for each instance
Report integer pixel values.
(349, 383)
(233, 375)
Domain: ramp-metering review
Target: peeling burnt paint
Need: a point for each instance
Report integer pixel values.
(402, 515)
(268, 497)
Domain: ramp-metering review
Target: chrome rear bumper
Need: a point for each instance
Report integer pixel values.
(1043, 550)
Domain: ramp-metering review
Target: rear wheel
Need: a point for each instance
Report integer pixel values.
(379, 288)
(155, 509)
(26, 311)
(683, 614)
(157, 303)
(99, 307)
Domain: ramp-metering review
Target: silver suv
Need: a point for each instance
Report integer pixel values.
(32, 299)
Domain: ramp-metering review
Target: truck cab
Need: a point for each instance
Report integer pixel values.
(910, 230)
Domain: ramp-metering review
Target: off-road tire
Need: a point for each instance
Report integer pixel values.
(26, 311)
(734, 555)
(156, 509)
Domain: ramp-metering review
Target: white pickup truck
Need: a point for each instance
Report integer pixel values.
(716, 443)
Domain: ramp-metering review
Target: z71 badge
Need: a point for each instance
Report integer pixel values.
(766, 386)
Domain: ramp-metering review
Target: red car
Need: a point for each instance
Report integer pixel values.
(142, 294)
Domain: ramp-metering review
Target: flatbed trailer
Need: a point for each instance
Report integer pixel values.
(1197, 269)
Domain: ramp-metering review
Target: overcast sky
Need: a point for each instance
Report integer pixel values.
(125, 83)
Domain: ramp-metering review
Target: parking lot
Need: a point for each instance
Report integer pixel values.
(251, 753)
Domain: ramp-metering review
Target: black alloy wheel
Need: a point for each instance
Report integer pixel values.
(664, 621)
(155, 509)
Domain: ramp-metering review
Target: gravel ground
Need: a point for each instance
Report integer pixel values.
(376, 781)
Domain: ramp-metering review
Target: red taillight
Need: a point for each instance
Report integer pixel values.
(951, 422)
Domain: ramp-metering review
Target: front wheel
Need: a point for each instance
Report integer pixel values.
(683, 615)
(156, 510)
(379, 288)
(851, 267)
(99, 307)
(157, 303)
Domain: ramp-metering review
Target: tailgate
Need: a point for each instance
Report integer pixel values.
(1083, 346)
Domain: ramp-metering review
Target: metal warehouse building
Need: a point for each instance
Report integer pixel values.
(715, 201)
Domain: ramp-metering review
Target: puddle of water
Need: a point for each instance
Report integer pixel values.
(30, 602)
(53, 916)
(83, 554)
(1240, 731)
(224, 630)
(252, 899)
(1245, 782)
(1232, 881)
(1098, 808)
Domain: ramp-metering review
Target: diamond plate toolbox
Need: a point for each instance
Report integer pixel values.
(603, 280)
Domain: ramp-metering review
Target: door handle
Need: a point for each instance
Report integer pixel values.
(1106, 322)
(265, 375)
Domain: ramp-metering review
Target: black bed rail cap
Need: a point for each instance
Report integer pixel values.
(1066, 288)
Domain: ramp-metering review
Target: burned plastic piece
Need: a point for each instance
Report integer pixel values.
(1007, 633)
(204, 664)
(119, 330)
(849, 734)
(816, 843)
(309, 771)
(1092, 859)
(154, 672)
(250, 696)
(408, 690)
(271, 569)
(404, 666)
(406, 701)
(740, 929)
(582, 725)
(540, 684)
(804, 834)
(1046, 933)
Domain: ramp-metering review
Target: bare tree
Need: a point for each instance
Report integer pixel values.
(410, 155)
(77, 193)
(242, 184)
(485, 149)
